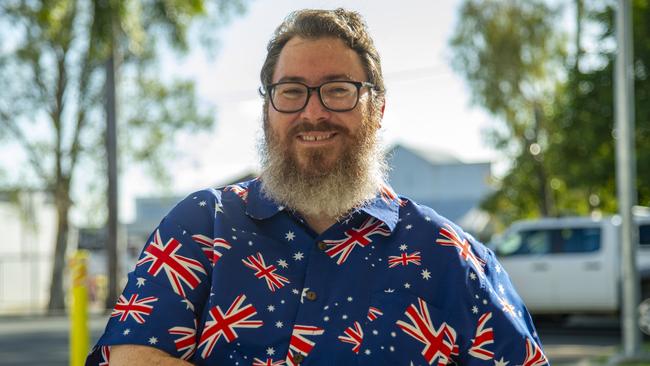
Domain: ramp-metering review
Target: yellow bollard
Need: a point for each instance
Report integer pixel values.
(79, 336)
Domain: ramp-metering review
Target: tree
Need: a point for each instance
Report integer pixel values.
(52, 73)
(513, 58)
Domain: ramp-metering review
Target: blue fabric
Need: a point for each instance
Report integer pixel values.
(231, 278)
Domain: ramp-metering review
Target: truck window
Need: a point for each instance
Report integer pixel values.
(531, 242)
(577, 240)
(644, 234)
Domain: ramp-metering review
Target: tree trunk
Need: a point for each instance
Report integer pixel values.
(57, 293)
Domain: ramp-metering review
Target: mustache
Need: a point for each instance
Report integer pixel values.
(323, 126)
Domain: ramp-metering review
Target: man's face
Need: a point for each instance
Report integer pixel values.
(315, 138)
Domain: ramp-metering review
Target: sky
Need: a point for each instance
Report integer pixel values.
(428, 105)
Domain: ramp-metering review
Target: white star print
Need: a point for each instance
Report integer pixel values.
(140, 282)
(126, 331)
(217, 209)
(250, 243)
(501, 362)
(290, 236)
(391, 348)
(270, 308)
(498, 270)
(472, 275)
(282, 263)
(327, 318)
(403, 247)
(426, 274)
(188, 304)
(474, 309)
(501, 289)
(202, 203)
(484, 302)
(234, 237)
(279, 324)
(298, 256)
(350, 299)
(153, 340)
(407, 285)
(375, 332)
(367, 351)
(409, 227)
(427, 218)
(344, 317)
(295, 291)
(393, 334)
(270, 351)
(520, 313)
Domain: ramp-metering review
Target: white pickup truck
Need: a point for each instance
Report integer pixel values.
(570, 265)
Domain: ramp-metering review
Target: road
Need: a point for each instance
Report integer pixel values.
(44, 340)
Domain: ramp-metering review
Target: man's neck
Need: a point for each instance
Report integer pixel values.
(319, 223)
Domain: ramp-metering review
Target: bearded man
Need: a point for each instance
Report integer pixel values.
(317, 262)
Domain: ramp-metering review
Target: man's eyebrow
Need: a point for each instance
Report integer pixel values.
(324, 79)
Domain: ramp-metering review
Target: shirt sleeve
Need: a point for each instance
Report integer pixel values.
(498, 329)
(168, 287)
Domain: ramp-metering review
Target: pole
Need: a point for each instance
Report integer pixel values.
(626, 175)
(111, 153)
(79, 345)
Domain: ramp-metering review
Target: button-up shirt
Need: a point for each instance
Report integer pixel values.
(229, 277)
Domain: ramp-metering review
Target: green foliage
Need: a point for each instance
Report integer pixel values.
(576, 146)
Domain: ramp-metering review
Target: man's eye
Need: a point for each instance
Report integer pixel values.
(292, 93)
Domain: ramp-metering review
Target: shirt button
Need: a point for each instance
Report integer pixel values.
(310, 295)
(322, 246)
(298, 358)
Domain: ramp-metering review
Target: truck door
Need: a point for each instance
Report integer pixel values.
(583, 270)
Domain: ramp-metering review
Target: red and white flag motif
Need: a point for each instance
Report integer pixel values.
(534, 355)
(353, 237)
(133, 307)
(404, 259)
(238, 190)
(106, 355)
(187, 340)
(209, 246)
(438, 343)
(484, 336)
(388, 195)
(268, 362)
(179, 269)
(374, 313)
(299, 342)
(224, 324)
(353, 335)
(273, 280)
(451, 238)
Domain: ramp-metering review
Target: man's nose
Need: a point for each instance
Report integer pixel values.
(315, 110)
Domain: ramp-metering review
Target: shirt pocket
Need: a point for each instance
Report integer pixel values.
(403, 329)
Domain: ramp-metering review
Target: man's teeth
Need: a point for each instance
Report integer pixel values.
(315, 138)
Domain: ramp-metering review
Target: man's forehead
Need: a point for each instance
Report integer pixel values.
(317, 59)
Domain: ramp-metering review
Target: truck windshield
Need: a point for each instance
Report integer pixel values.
(548, 241)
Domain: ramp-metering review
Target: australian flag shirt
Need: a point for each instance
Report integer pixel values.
(231, 278)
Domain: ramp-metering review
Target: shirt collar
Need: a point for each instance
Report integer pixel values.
(384, 206)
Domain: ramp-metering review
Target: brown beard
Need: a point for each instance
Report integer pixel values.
(320, 187)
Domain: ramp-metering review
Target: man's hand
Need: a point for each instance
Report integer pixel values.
(129, 354)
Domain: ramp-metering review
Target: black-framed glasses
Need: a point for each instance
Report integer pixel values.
(336, 96)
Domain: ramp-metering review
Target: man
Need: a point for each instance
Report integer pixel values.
(317, 262)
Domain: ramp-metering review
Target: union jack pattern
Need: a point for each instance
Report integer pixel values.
(106, 355)
(221, 324)
(238, 190)
(187, 340)
(273, 280)
(209, 246)
(451, 238)
(353, 335)
(299, 344)
(133, 307)
(404, 259)
(357, 236)
(179, 269)
(267, 362)
(270, 294)
(484, 336)
(374, 313)
(438, 343)
(534, 355)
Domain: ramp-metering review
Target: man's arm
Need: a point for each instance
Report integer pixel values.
(129, 354)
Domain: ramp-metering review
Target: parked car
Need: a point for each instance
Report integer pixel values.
(570, 265)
